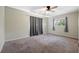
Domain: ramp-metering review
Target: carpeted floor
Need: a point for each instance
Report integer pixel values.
(42, 44)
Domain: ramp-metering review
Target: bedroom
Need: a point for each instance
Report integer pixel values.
(31, 29)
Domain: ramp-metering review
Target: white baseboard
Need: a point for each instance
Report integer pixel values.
(64, 36)
(17, 38)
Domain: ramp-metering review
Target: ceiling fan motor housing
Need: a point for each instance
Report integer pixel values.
(48, 8)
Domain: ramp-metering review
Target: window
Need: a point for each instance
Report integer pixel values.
(60, 22)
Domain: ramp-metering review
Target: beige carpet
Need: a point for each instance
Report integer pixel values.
(42, 44)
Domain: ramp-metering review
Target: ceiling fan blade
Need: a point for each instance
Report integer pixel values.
(54, 7)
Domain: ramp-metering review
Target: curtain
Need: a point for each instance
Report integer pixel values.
(66, 24)
(40, 26)
(35, 26)
(31, 25)
(53, 24)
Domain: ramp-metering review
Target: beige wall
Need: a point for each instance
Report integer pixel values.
(2, 35)
(16, 24)
(72, 25)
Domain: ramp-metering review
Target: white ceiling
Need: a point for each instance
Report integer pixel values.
(37, 9)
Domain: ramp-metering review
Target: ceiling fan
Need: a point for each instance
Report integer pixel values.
(46, 10)
(50, 8)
